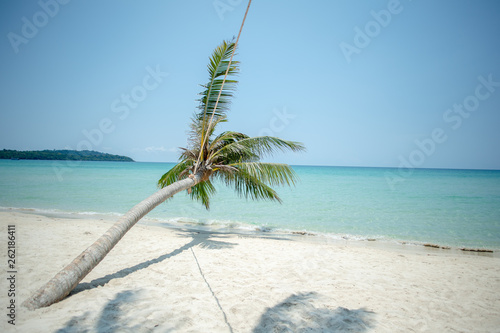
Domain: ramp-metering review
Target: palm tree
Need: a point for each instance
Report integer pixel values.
(231, 157)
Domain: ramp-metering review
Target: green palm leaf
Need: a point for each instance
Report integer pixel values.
(247, 186)
(179, 171)
(202, 192)
(274, 174)
(217, 68)
(257, 147)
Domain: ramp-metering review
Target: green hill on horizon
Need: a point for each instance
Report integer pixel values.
(72, 155)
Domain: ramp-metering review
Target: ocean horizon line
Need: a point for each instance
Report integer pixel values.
(291, 164)
(353, 166)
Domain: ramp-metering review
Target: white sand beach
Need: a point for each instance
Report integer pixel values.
(177, 280)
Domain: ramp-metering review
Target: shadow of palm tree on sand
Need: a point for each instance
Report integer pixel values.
(199, 238)
(114, 317)
(299, 313)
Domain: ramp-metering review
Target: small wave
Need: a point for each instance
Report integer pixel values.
(29, 210)
(58, 212)
(245, 227)
(214, 224)
(113, 214)
(240, 226)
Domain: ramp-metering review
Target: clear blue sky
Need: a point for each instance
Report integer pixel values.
(361, 83)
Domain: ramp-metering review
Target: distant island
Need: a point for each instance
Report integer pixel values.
(73, 155)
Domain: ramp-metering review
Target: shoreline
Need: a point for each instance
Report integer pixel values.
(264, 231)
(159, 279)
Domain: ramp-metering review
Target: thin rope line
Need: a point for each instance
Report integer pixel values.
(213, 294)
(220, 91)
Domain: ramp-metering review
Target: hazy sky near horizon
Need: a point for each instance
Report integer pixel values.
(360, 83)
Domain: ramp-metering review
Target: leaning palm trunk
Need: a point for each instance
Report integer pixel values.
(68, 278)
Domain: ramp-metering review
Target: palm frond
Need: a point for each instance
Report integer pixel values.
(188, 154)
(230, 156)
(268, 145)
(179, 171)
(273, 174)
(202, 192)
(210, 128)
(217, 67)
(253, 149)
(224, 168)
(197, 150)
(226, 138)
(247, 186)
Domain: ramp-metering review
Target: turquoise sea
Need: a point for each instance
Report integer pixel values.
(458, 208)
